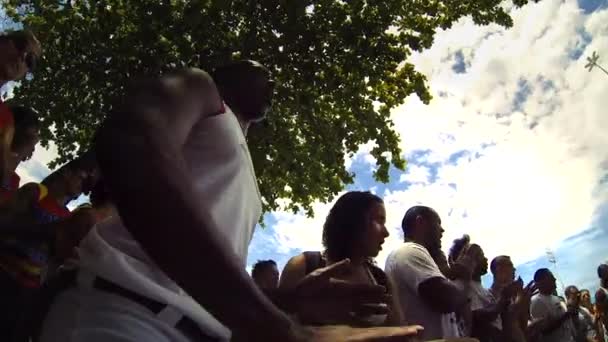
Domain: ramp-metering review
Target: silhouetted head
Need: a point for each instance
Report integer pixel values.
(545, 281)
(247, 87)
(423, 225)
(266, 274)
(502, 269)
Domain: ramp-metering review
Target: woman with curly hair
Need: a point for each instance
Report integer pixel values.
(354, 230)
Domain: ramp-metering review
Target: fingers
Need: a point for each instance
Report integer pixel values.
(333, 269)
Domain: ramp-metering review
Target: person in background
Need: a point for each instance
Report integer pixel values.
(355, 230)
(601, 299)
(557, 314)
(426, 296)
(582, 320)
(26, 126)
(175, 158)
(586, 301)
(495, 317)
(19, 51)
(32, 227)
(265, 273)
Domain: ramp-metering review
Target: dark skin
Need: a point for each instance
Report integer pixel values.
(17, 220)
(546, 285)
(13, 66)
(440, 294)
(139, 151)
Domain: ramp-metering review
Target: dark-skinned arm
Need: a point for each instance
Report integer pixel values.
(139, 150)
(442, 295)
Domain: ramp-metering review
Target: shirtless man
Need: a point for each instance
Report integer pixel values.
(175, 158)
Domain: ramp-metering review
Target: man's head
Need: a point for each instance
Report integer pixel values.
(76, 177)
(502, 269)
(573, 295)
(602, 273)
(423, 225)
(26, 134)
(266, 274)
(247, 87)
(545, 281)
(20, 51)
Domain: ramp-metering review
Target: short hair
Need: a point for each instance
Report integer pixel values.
(261, 265)
(541, 273)
(230, 73)
(345, 223)
(24, 118)
(569, 289)
(494, 263)
(602, 269)
(409, 219)
(458, 246)
(584, 290)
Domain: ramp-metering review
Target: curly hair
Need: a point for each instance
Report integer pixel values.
(457, 247)
(346, 222)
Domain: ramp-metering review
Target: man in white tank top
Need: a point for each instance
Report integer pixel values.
(172, 266)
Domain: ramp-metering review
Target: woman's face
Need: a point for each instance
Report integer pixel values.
(585, 297)
(375, 231)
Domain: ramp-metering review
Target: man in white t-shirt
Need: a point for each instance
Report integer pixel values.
(171, 266)
(426, 296)
(549, 307)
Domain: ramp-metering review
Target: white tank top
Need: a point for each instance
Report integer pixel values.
(219, 160)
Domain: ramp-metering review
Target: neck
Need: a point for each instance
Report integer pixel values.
(604, 284)
(546, 293)
(476, 278)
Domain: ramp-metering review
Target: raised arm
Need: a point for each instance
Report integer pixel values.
(139, 151)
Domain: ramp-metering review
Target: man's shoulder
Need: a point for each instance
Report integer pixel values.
(411, 255)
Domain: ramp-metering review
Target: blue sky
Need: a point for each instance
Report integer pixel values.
(511, 150)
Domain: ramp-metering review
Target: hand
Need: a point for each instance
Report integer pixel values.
(348, 334)
(322, 299)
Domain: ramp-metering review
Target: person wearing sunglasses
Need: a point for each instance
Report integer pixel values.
(19, 51)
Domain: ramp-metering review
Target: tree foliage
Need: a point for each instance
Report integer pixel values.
(341, 65)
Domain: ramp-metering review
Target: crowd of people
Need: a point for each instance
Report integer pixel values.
(444, 294)
(159, 254)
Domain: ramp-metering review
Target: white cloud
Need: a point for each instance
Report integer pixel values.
(416, 174)
(530, 174)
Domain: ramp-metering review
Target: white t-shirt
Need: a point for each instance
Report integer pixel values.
(409, 266)
(218, 158)
(553, 307)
